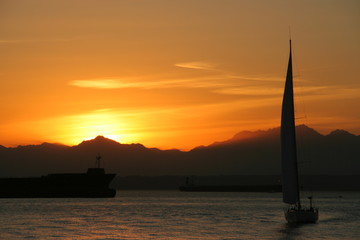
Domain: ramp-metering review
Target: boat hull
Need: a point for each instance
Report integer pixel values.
(231, 188)
(58, 186)
(302, 215)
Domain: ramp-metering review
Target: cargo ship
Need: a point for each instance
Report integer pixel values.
(92, 184)
(231, 188)
(190, 186)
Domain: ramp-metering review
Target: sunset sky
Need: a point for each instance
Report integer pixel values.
(173, 73)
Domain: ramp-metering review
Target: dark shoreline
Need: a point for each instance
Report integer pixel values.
(309, 182)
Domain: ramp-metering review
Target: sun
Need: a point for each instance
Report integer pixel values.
(116, 138)
(71, 130)
(104, 122)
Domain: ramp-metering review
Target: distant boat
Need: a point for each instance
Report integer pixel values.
(191, 187)
(231, 188)
(92, 184)
(296, 213)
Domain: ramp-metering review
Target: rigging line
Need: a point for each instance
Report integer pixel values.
(290, 32)
(304, 157)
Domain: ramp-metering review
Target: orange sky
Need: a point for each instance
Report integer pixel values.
(173, 74)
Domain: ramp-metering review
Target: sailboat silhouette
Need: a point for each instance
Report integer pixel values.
(290, 179)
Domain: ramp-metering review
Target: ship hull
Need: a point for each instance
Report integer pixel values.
(232, 188)
(58, 186)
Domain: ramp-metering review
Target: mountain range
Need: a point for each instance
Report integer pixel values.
(247, 153)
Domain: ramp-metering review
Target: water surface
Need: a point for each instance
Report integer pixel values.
(176, 215)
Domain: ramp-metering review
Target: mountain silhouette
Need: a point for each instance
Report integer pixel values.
(247, 153)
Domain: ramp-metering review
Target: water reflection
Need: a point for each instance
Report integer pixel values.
(172, 215)
(290, 231)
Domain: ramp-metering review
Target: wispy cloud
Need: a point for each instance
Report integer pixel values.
(117, 83)
(264, 87)
(249, 91)
(98, 83)
(201, 65)
(259, 77)
(329, 92)
(218, 83)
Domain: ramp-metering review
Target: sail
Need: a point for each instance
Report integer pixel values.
(290, 185)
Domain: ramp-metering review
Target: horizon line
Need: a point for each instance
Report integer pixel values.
(173, 148)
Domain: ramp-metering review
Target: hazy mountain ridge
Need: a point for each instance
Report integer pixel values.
(246, 153)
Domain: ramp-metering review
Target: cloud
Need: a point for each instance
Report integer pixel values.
(122, 83)
(226, 84)
(97, 83)
(196, 65)
(249, 91)
(260, 77)
(117, 83)
(264, 87)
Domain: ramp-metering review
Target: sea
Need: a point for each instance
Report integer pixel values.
(166, 214)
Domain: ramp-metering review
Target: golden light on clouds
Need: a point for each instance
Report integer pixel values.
(73, 129)
(97, 83)
(196, 65)
(172, 74)
(100, 122)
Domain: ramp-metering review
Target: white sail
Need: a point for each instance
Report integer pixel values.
(290, 185)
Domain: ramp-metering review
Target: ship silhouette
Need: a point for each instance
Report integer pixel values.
(92, 184)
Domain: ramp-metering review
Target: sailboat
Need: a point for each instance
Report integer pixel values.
(296, 213)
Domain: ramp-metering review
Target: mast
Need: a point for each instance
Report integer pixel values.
(290, 181)
(97, 162)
